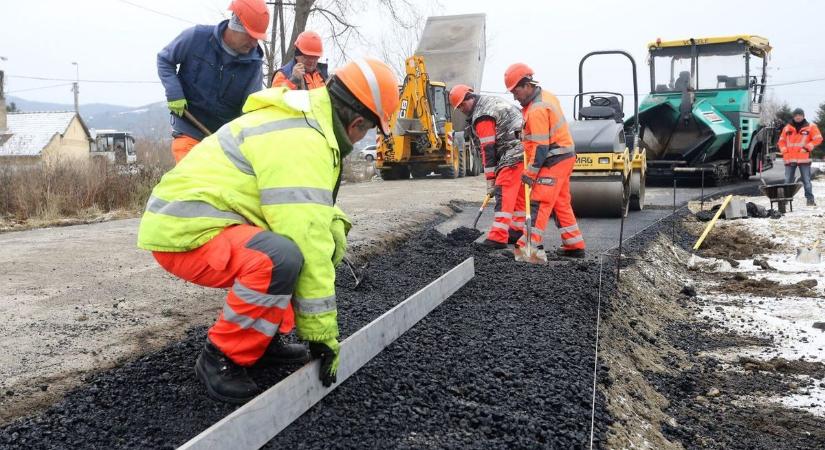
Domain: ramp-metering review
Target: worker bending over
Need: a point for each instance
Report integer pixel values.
(304, 71)
(497, 125)
(211, 70)
(550, 149)
(252, 209)
(796, 142)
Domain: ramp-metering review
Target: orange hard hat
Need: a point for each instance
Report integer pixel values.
(458, 93)
(373, 84)
(309, 43)
(515, 73)
(254, 16)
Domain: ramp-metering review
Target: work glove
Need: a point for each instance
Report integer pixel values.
(327, 351)
(527, 179)
(491, 186)
(339, 229)
(298, 74)
(177, 106)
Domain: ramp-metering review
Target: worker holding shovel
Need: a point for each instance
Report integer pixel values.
(252, 209)
(497, 126)
(208, 71)
(550, 159)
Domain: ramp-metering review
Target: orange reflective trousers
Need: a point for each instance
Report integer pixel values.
(509, 212)
(261, 269)
(551, 196)
(181, 146)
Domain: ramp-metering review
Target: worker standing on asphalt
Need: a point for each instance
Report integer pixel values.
(550, 147)
(796, 142)
(210, 70)
(304, 71)
(497, 126)
(252, 209)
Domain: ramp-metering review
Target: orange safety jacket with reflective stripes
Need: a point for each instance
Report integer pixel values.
(312, 80)
(546, 135)
(796, 143)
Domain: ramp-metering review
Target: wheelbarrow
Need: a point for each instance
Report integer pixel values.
(781, 194)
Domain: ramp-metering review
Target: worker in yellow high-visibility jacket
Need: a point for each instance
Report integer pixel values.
(252, 208)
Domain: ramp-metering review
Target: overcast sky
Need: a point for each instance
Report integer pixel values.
(115, 41)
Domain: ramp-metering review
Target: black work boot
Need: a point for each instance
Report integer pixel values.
(492, 245)
(575, 253)
(225, 381)
(811, 202)
(513, 236)
(282, 352)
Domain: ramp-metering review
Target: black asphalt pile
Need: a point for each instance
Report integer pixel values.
(506, 361)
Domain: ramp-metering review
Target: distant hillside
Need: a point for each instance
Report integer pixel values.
(146, 121)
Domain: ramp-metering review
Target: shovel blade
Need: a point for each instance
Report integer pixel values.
(533, 256)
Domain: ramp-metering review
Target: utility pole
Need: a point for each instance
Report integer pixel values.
(76, 87)
(271, 56)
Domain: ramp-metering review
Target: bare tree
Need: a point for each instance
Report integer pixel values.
(403, 20)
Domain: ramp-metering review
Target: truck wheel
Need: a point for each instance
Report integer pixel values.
(402, 172)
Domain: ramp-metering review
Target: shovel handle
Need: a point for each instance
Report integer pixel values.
(197, 123)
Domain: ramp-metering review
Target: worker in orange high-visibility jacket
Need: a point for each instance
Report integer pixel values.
(304, 71)
(496, 125)
(796, 142)
(551, 155)
(252, 209)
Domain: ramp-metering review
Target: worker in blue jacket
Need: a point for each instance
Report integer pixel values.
(210, 70)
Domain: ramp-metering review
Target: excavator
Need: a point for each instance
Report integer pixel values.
(421, 139)
(427, 134)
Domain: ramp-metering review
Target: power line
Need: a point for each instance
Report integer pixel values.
(38, 88)
(157, 12)
(790, 83)
(29, 77)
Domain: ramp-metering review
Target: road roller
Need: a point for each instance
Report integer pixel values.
(609, 175)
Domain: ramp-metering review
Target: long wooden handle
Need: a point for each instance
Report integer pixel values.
(712, 222)
(197, 123)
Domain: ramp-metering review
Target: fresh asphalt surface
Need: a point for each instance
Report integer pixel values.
(601, 234)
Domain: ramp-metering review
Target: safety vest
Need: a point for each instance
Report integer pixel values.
(546, 132)
(312, 80)
(796, 145)
(275, 167)
(508, 150)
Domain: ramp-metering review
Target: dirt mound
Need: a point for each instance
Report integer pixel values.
(733, 243)
(741, 284)
(782, 365)
(463, 235)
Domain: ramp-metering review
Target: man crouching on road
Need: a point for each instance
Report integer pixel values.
(252, 208)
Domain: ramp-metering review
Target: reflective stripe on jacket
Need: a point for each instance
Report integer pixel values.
(508, 147)
(274, 167)
(796, 145)
(546, 135)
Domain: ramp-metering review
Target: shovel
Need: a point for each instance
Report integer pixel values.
(481, 210)
(197, 123)
(809, 255)
(529, 254)
(358, 273)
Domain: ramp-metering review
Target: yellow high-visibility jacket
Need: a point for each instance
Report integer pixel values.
(275, 167)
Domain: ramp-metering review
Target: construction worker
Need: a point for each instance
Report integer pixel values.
(304, 71)
(550, 149)
(796, 142)
(252, 209)
(496, 125)
(210, 70)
